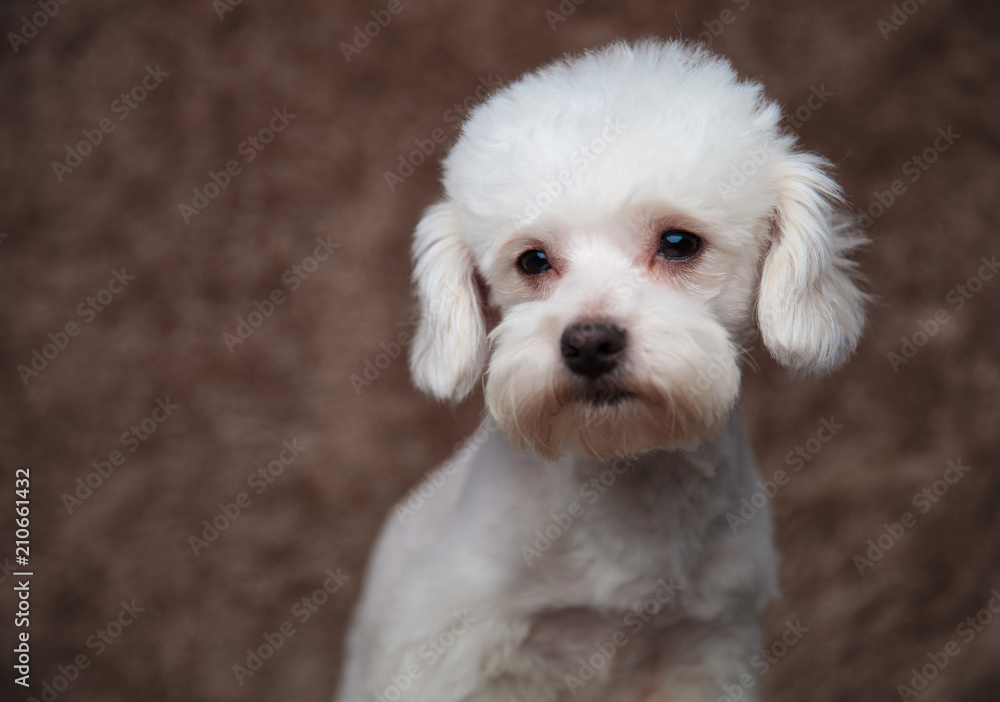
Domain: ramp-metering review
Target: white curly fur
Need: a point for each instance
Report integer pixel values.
(590, 159)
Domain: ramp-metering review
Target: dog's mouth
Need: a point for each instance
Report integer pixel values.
(603, 394)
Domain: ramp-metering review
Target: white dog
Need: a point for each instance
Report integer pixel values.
(634, 217)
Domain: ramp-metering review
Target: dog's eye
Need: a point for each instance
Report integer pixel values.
(677, 244)
(533, 262)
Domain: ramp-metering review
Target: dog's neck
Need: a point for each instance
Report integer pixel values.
(712, 454)
(627, 522)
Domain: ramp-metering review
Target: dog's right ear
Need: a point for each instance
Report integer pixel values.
(449, 349)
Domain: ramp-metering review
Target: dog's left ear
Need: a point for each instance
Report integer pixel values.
(449, 348)
(810, 309)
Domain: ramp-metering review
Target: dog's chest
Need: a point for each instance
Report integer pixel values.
(611, 544)
(607, 537)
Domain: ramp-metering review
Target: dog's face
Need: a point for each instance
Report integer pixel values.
(636, 215)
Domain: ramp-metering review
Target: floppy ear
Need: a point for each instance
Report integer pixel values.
(810, 310)
(449, 348)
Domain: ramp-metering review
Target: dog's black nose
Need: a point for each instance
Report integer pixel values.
(592, 349)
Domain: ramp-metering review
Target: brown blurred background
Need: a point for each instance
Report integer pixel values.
(63, 234)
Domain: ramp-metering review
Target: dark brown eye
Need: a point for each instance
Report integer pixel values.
(677, 244)
(533, 262)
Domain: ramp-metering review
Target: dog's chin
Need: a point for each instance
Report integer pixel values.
(608, 420)
(602, 395)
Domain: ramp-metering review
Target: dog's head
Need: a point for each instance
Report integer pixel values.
(637, 214)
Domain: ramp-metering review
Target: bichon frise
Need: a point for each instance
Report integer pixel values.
(633, 217)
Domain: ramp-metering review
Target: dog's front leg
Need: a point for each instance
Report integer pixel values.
(466, 654)
(696, 662)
